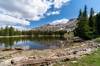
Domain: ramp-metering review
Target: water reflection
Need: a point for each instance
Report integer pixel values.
(32, 43)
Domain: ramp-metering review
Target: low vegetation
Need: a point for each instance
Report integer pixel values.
(89, 60)
(97, 40)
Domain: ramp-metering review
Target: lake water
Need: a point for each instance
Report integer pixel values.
(33, 43)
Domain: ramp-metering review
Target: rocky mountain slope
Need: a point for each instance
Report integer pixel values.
(66, 26)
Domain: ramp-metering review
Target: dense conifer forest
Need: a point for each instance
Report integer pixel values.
(88, 26)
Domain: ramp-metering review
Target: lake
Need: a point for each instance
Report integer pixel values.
(33, 43)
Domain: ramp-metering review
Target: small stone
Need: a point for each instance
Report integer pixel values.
(74, 61)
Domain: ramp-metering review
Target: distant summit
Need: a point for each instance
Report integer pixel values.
(64, 24)
(62, 21)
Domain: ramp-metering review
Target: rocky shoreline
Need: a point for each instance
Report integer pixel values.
(47, 56)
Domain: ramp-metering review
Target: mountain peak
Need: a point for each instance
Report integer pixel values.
(61, 21)
(63, 24)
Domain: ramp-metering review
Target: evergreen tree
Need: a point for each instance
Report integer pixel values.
(6, 31)
(92, 20)
(85, 12)
(1, 31)
(77, 30)
(83, 29)
(98, 23)
(80, 14)
(11, 31)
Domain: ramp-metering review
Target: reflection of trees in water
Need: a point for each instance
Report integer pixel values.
(47, 41)
(9, 42)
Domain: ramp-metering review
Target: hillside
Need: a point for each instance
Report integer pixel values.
(66, 26)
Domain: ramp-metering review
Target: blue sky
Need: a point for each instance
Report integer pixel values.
(34, 13)
(69, 10)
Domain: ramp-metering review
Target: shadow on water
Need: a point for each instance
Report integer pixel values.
(33, 42)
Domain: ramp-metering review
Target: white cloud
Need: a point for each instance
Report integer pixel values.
(59, 3)
(8, 20)
(16, 27)
(22, 11)
(61, 21)
(53, 13)
(21, 27)
(27, 9)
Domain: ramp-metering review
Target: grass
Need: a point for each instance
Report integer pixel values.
(97, 40)
(89, 60)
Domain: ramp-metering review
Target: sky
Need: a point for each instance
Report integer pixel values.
(26, 14)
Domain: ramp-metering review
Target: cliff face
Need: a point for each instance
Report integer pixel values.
(66, 26)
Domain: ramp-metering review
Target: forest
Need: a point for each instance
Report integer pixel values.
(88, 26)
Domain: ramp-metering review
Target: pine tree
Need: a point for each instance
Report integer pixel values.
(92, 21)
(98, 23)
(11, 31)
(80, 14)
(6, 31)
(77, 30)
(85, 12)
(83, 29)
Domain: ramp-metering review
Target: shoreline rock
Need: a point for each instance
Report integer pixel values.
(50, 55)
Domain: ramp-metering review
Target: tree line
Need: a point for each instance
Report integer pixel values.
(88, 26)
(10, 31)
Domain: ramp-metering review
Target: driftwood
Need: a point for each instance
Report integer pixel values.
(9, 55)
(45, 61)
(56, 58)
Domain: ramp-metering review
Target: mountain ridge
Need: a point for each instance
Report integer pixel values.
(65, 26)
